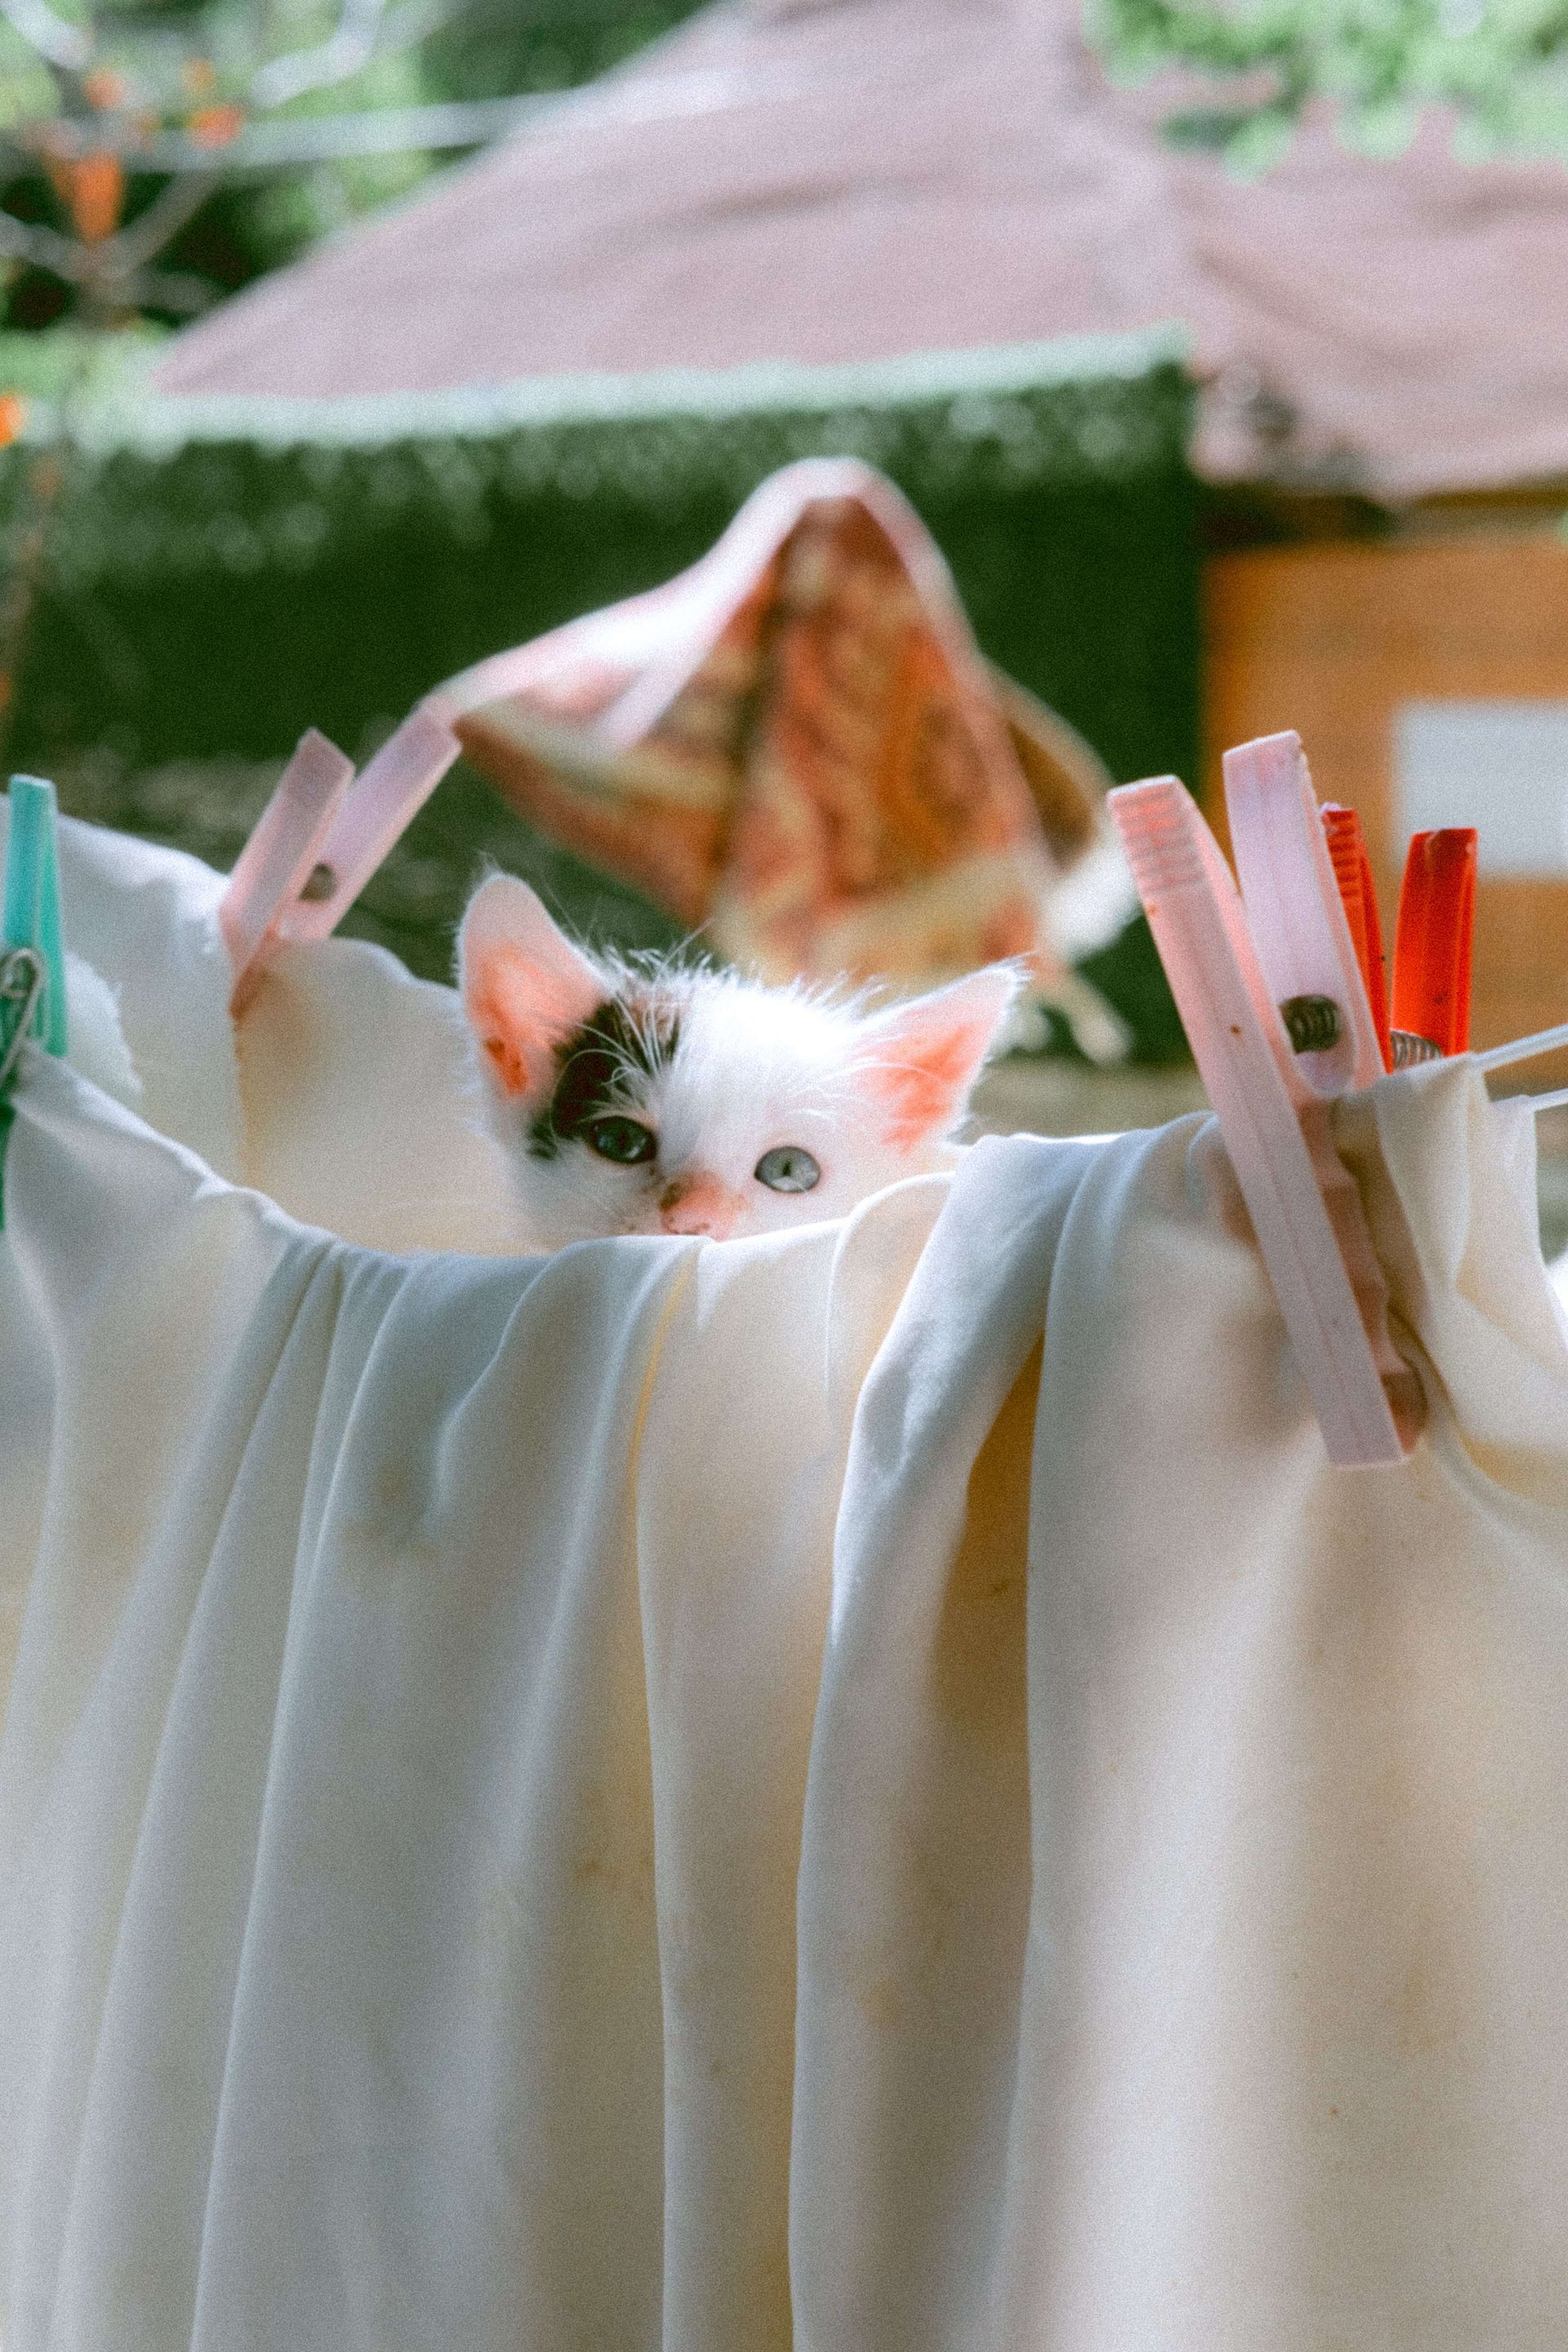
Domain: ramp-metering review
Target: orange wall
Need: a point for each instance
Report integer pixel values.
(1332, 639)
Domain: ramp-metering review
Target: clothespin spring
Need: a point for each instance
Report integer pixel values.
(1313, 1023)
(21, 976)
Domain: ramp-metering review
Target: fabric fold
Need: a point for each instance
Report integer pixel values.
(344, 2028)
(399, 1809)
(1290, 2042)
(865, 1787)
(914, 1868)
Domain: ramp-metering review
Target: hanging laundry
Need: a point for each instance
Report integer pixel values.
(385, 1792)
(798, 744)
(795, 744)
(344, 1094)
(1030, 1856)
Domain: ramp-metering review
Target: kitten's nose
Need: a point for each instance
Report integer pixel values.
(698, 1203)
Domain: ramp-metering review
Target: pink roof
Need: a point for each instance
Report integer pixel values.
(839, 180)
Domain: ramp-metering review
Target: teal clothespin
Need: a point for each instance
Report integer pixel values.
(32, 954)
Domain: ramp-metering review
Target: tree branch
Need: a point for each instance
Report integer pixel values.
(44, 247)
(283, 146)
(114, 262)
(63, 45)
(349, 49)
(142, 239)
(169, 289)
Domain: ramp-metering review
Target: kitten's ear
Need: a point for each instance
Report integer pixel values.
(921, 1059)
(525, 986)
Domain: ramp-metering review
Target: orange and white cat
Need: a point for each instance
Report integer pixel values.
(646, 1098)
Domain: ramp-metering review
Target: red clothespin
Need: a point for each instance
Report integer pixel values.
(1434, 940)
(1353, 872)
(1240, 977)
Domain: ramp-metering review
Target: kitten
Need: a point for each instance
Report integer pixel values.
(636, 1099)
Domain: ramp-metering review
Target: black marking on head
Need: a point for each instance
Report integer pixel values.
(593, 1065)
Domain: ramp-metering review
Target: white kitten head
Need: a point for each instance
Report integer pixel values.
(665, 1100)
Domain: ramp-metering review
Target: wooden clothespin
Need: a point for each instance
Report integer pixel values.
(1271, 994)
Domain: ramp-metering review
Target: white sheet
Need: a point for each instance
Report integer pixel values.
(346, 1095)
(1184, 1950)
(691, 1796)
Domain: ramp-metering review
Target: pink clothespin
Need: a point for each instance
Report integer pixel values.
(318, 842)
(1271, 1099)
(390, 788)
(281, 858)
(1296, 914)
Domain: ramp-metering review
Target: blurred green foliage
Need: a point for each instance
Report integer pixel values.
(1497, 68)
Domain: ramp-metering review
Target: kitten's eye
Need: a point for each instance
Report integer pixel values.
(787, 1168)
(625, 1140)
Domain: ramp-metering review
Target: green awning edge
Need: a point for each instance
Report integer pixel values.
(135, 416)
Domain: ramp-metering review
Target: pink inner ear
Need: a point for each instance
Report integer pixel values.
(519, 1013)
(925, 1078)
